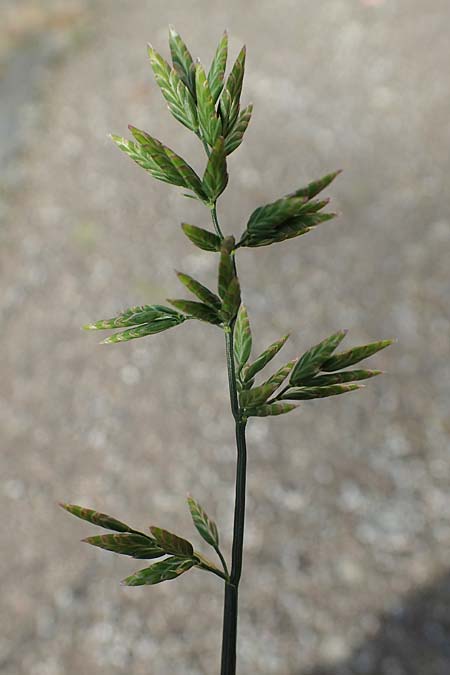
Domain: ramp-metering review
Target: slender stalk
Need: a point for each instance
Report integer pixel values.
(229, 635)
(230, 609)
(239, 510)
(216, 221)
(223, 561)
(230, 614)
(214, 570)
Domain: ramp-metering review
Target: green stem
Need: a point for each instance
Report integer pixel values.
(229, 345)
(230, 615)
(216, 221)
(215, 571)
(230, 611)
(230, 608)
(239, 509)
(223, 561)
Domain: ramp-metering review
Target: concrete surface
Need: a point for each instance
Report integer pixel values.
(348, 538)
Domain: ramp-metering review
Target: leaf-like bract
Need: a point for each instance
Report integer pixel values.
(217, 70)
(283, 219)
(242, 338)
(134, 545)
(152, 328)
(250, 398)
(164, 570)
(182, 60)
(312, 360)
(203, 293)
(210, 124)
(231, 94)
(281, 374)
(307, 393)
(134, 316)
(263, 359)
(265, 218)
(179, 99)
(97, 518)
(354, 355)
(226, 273)
(172, 543)
(215, 178)
(160, 161)
(231, 301)
(313, 189)
(269, 409)
(235, 135)
(291, 216)
(197, 310)
(207, 241)
(341, 378)
(206, 527)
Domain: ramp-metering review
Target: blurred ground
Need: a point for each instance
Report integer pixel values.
(348, 537)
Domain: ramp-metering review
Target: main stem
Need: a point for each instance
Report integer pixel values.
(230, 608)
(230, 611)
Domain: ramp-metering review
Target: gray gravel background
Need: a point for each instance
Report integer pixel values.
(348, 538)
